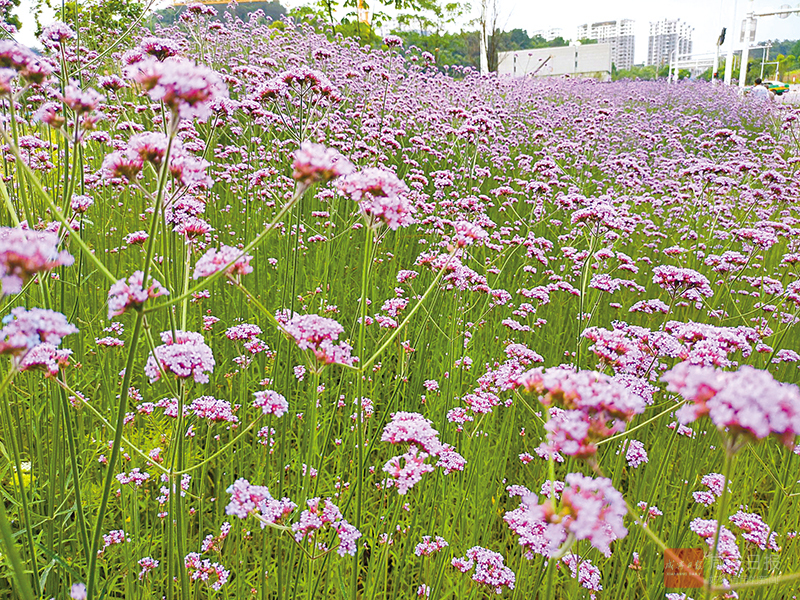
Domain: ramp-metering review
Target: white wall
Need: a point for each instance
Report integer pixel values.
(588, 59)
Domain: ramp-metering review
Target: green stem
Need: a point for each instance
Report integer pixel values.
(112, 461)
(176, 491)
(223, 271)
(723, 506)
(584, 278)
(73, 457)
(366, 364)
(185, 301)
(551, 571)
(17, 568)
(12, 212)
(18, 471)
(23, 190)
(56, 212)
(362, 326)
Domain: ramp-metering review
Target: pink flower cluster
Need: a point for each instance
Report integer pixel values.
(755, 530)
(406, 470)
(595, 405)
(716, 486)
(25, 330)
(214, 261)
(316, 162)
(590, 509)
(185, 356)
(728, 555)
(55, 34)
(112, 538)
(429, 546)
(24, 253)
(188, 89)
(161, 48)
(136, 477)
(151, 147)
(635, 454)
(212, 409)
(32, 337)
(381, 196)
(678, 280)
(124, 294)
(319, 335)
(490, 568)
(587, 574)
(147, 564)
(271, 403)
(202, 569)
(321, 513)
(47, 357)
(213, 543)
(18, 58)
(247, 499)
(747, 402)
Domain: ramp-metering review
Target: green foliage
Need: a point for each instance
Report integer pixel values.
(448, 48)
(517, 39)
(106, 19)
(273, 10)
(783, 47)
(363, 32)
(431, 16)
(637, 72)
(7, 15)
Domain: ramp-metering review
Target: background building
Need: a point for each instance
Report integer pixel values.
(588, 60)
(548, 34)
(617, 33)
(665, 37)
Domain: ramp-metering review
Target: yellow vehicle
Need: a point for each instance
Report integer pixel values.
(777, 87)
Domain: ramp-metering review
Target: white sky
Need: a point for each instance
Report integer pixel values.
(706, 16)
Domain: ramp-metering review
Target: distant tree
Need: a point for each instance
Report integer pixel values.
(637, 72)
(557, 42)
(448, 48)
(786, 63)
(516, 39)
(272, 10)
(363, 32)
(783, 47)
(585, 41)
(429, 16)
(7, 15)
(107, 19)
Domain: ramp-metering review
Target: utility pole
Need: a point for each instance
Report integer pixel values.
(484, 56)
(764, 58)
(729, 61)
(715, 70)
(749, 31)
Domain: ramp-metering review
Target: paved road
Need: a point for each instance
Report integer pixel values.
(792, 96)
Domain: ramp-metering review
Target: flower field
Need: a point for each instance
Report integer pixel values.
(285, 317)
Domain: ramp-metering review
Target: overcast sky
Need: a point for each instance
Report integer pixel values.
(706, 16)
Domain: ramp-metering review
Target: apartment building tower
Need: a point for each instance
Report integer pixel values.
(548, 34)
(667, 37)
(617, 33)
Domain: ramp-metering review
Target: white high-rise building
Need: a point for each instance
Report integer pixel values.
(617, 33)
(665, 38)
(548, 34)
